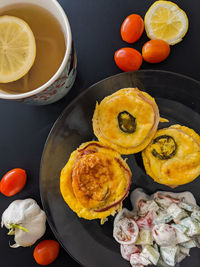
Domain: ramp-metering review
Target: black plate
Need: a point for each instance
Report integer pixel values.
(91, 244)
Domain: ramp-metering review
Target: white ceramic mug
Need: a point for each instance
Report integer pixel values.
(62, 81)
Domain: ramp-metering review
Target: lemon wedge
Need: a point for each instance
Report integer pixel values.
(17, 48)
(166, 21)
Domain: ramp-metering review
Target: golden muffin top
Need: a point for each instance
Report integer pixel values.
(94, 181)
(126, 120)
(173, 156)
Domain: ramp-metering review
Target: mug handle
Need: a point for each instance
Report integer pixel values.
(72, 68)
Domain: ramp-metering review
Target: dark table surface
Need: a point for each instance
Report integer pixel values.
(96, 33)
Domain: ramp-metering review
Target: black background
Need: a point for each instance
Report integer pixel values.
(95, 28)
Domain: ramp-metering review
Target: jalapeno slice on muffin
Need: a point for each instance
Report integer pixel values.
(164, 147)
(127, 123)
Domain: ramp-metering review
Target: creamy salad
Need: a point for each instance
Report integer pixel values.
(161, 229)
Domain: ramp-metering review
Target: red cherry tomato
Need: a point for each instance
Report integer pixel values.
(13, 182)
(128, 59)
(46, 252)
(155, 51)
(132, 28)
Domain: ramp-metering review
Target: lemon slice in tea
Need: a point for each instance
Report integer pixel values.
(17, 48)
(166, 21)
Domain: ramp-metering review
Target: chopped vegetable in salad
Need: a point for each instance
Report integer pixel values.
(161, 229)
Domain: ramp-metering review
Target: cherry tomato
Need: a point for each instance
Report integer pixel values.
(128, 59)
(46, 252)
(155, 51)
(13, 182)
(132, 28)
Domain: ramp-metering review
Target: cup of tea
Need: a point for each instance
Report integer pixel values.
(53, 70)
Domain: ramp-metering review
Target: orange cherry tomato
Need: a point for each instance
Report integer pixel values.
(46, 252)
(155, 51)
(128, 59)
(132, 28)
(13, 182)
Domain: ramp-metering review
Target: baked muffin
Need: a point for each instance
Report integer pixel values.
(126, 120)
(173, 156)
(95, 181)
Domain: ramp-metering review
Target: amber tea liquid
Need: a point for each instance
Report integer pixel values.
(50, 46)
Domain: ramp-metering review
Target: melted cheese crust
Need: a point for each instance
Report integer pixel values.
(93, 180)
(105, 120)
(184, 166)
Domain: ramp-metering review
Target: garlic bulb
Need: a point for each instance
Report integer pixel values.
(25, 220)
